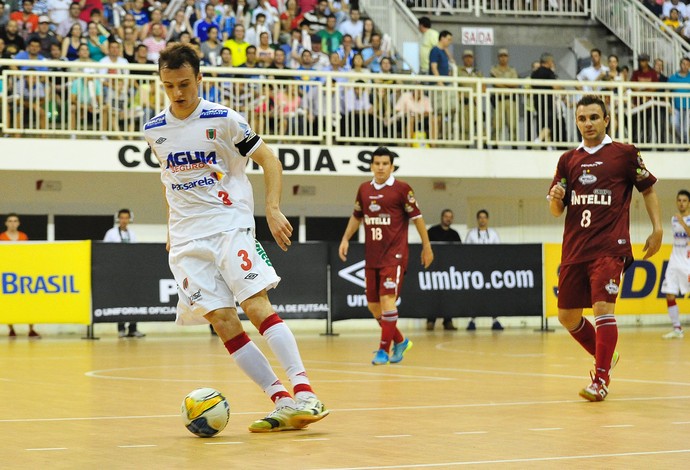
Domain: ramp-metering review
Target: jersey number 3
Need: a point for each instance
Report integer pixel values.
(246, 262)
(225, 197)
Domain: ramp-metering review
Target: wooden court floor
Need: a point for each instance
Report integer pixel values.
(504, 400)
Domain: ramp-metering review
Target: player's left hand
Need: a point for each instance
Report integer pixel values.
(280, 228)
(652, 244)
(427, 256)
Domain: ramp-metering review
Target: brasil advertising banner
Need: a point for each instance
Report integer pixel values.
(45, 282)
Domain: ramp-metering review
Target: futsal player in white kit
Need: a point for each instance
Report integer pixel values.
(203, 149)
(677, 278)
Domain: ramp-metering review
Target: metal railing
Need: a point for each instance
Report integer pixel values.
(344, 108)
(640, 30)
(565, 8)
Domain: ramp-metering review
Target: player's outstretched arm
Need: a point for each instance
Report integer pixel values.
(352, 227)
(273, 180)
(427, 252)
(653, 243)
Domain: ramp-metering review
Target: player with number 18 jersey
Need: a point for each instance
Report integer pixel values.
(386, 210)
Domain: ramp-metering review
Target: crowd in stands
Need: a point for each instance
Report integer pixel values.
(675, 15)
(215, 28)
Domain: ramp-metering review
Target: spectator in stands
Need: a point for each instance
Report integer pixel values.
(252, 61)
(27, 20)
(254, 32)
(439, 66)
(352, 26)
(63, 28)
(264, 52)
(238, 46)
(428, 42)
(179, 24)
(4, 14)
(317, 18)
(141, 56)
(97, 17)
(155, 42)
(114, 57)
(643, 128)
(483, 235)
(358, 64)
(129, 44)
(443, 232)
(71, 43)
(290, 19)
(45, 35)
(358, 119)
(86, 97)
(41, 7)
(595, 72)
(549, 120)
(346, 51)
(156, 18)
(97, 43)
(242, 13)
(659, 69)
(331, 39)
(368, 31)
(339, 8)
(58, 10)
(201, 26)
(681, 105)
(12, 233)
(614, 71)
(671, 4)
(113, 13)
(372, 55)
(321, 59)
(271, 15)
(412, 112)
(14, 42)
(673, 22)
(505, 106)
(87, 6)
(468, 69)
(127, 22)
(32, 52)
(140, 14)
(211, 47)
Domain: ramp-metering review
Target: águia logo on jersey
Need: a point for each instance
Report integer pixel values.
(189, 160)
(374, 206)
(642, 172)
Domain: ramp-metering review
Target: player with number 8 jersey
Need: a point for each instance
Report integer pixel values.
(594, 182)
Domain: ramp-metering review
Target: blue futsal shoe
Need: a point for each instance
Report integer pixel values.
(399, 350)
(380, 358)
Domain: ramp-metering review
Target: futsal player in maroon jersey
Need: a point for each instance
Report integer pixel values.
(386, 205)
(595, 183)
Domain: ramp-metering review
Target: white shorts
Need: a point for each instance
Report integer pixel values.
(218, 271)
(676, 280)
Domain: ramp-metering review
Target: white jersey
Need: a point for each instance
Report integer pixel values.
(203, 160)
(482, 237)
(115, 235)
(680, 254)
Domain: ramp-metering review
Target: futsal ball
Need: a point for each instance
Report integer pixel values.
(205, 412)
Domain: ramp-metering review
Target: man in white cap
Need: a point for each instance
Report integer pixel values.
(505, 105)
(44, 35)
(467, 70)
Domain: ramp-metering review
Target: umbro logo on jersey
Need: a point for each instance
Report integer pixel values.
(251, 276)
(161, 140)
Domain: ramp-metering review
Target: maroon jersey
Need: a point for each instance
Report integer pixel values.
(386, 213)
(598, 189)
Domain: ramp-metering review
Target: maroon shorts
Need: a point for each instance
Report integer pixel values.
(581, 285)
(383, 281)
